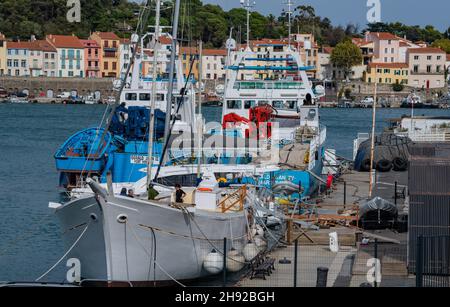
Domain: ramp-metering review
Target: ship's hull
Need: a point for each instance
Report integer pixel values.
(156, 245)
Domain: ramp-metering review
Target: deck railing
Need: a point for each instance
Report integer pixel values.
(233, 200)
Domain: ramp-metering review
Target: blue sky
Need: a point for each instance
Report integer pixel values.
(411, 12)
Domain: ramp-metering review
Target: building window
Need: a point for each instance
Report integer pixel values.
(416, 68)
(16, 63)
(439, 57)
(114, 65)
(428, 68)
(9, 63)
(438, 68)
(429, 57)
(70, 74)
(416, 57)
(106, 66)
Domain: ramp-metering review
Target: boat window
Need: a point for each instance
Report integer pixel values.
(291, 104)
(144, 97)
(248, 104)
(160, 97)
(278, 104)
(131, 96)
(263, 102)
(234, 104)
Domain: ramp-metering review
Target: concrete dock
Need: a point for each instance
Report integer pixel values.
(349, 266)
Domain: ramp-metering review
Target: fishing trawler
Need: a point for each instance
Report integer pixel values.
(281, 97)
(140, 239)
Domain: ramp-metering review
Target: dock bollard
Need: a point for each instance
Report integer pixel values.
(322, 276)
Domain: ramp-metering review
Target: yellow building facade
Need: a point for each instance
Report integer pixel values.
(387, 73)
(110, 57)
(3, 51)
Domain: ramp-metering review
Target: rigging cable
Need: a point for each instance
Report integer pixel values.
(65, 254)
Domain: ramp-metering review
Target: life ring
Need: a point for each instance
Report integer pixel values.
(205, 189)
(222, 180)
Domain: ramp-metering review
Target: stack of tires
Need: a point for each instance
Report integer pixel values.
(390, 153)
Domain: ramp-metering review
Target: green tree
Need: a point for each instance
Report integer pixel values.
(443, 43)
(346, 55)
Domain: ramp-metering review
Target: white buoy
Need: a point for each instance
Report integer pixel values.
(250, 251)
(235, 261)
(334, 242)
(260, 243)
(213, 262)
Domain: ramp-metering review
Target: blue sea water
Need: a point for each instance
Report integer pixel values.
(30, 241)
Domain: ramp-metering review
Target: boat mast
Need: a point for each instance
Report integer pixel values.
(289, 13)
(153, 102)
(171, 71)
(199, 115)
(372, 146)
(248, 5)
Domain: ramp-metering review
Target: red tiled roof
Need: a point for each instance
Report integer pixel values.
(19, 45)
(220, 52)
(327, 50)
(107, 35)
(188, 50)
(360, 41)
(425, 50)
(385, 36)
(42, 45)
(89, 43)
(65, 41)
(268, 41)
(388, 65)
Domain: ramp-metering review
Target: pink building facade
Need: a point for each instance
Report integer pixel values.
(92, 58)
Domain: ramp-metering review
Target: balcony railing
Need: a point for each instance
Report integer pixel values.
(424, 72)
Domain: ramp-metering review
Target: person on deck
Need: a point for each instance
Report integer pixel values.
(130, 193)
(123, 192)
(179, 194)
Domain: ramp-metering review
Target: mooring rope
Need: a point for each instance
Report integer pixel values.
(157, 264)
(65, 254)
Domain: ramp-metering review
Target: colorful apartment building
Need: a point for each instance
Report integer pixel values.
(309, 52)
(387, 73)
(213, 64)
(70, 55)
(43, 61)
(427, 67)
(447, 65)
(17, 59)
(3, 52)
(386, 47)
(125, 55)
(92, 58)
(110, 44)
(189, 57)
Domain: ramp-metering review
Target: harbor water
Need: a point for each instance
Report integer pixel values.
(30, 241)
